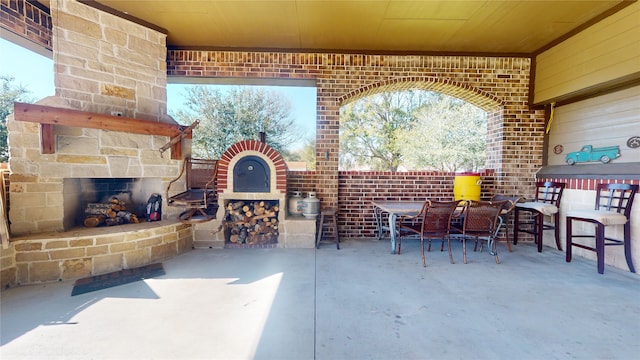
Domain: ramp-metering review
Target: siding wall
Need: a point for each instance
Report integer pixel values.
(606, 51)
(602, 121)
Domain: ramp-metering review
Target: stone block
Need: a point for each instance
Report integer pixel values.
(164, 251)
(115, 36)
(152, 241)
(43, 187)
(138, 257)
(107, 263)
(67, 254)
(122, 247)
(89, 171)
(123, 140)
(77, 268)
(8, 277)
(21, 178)
(77, 145)
(56, 170)
(82, 159)
(109, 239)
(118, 91)
(81, 242)
(306, 241)
(172, 237)
(51, 225)
(97, 250)
(71, 83)
(119, 152)
(184, 244)
(68, 131)
(138, 235)
(57, 244)
(7, 261)
(23, 273)
(28, 246)
(82, 39)
(44, 271)
(26, 200)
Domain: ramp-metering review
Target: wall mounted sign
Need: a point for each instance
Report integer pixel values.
(558, 149)
(588, 153)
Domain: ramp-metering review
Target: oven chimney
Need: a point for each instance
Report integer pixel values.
(263, 137)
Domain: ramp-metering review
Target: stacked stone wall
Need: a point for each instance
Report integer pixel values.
(104, 63)
(66, 256)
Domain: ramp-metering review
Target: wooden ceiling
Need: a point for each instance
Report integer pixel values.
(428, 26)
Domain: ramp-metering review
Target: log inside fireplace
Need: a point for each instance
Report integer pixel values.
(80, 194)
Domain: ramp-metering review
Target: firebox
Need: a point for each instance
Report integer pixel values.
(251, 174)
(79, 193)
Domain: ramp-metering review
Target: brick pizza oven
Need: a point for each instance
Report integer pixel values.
(249, 172)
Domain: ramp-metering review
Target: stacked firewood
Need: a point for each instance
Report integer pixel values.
(251, 222)
(111, 213)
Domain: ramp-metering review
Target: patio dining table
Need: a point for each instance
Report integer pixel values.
(393, 209)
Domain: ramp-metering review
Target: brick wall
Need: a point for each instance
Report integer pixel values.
(499, 85)
(358, 189)
(27, 21)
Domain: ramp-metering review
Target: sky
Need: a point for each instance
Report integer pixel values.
(35, 73)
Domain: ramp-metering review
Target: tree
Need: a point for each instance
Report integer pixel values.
(9, 93)
(240, 113)
(308, 153)
(413, 129)
(450, 136)
(370, 128)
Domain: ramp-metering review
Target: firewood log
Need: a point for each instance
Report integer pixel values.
(94, 220)
(237, 205)
(265, 215)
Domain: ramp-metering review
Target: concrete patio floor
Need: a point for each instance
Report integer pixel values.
(359, 302)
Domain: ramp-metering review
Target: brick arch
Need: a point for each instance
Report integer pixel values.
(477, 97)
(252, 146)
(489, 103)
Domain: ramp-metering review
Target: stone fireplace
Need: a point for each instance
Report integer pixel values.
(49, 191)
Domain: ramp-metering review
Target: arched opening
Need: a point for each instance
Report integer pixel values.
(428, 124)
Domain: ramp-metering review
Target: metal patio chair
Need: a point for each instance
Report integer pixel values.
(481, 221)
(200, 198)
(433, 222)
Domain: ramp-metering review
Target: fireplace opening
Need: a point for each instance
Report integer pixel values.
(251, 174)
(131, 194)
(251, 223)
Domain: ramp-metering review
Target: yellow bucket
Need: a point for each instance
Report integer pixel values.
(466, 186)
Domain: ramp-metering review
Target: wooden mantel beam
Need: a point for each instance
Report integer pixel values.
(48, 116)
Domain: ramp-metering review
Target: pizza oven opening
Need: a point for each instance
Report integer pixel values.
(251, 174)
